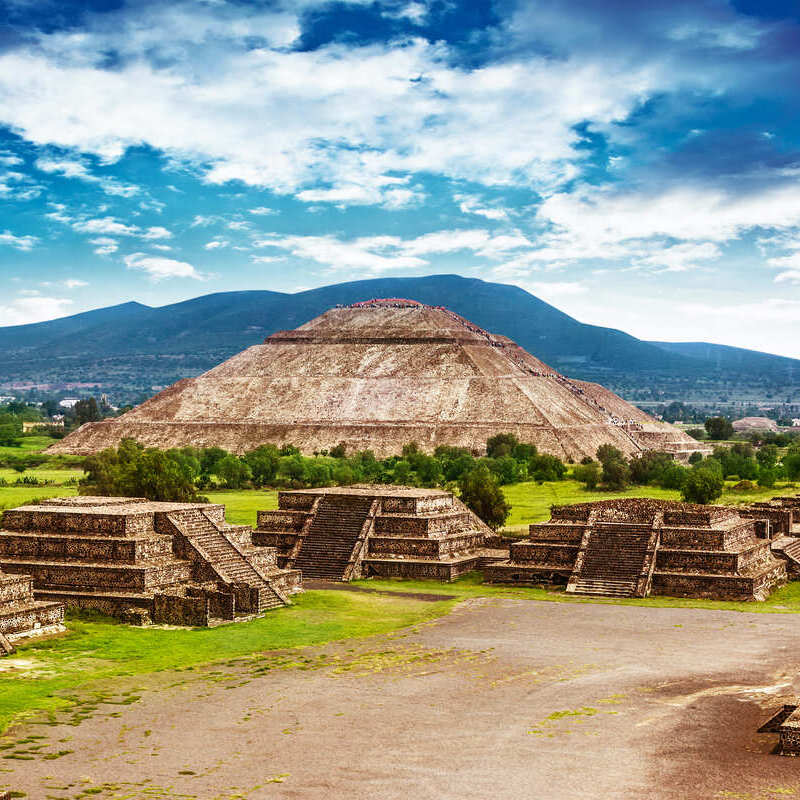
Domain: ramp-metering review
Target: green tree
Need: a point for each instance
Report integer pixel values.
(502, 444)
(588, 474)
(616, 474)
(233, 472)
(767, 456)
(719, 428)
(702, 485)
(86, 410)
(263, 463)
(481, 493)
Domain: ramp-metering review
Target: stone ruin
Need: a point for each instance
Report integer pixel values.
(378, 375)
(175, 563)
(634, 547)
(21, 615)
(343, 533)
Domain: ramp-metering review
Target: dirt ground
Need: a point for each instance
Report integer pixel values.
(500, 699)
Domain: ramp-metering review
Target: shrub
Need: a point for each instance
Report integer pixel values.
(702, 485)
(588, 474)
(481, 493)
(719, 428)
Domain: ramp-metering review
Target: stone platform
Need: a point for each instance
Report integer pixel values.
(177, 563)
(21, 615)
(342, 533)
(634, 547)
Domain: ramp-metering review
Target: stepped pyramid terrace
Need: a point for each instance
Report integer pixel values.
(342, 533)
(21, 615)
(635, 547)
(377, 375)
(177, 563)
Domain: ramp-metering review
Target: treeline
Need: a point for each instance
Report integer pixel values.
(702, 481)
(131, 468)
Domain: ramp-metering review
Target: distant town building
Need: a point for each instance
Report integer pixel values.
(68, 402)
(53, 425)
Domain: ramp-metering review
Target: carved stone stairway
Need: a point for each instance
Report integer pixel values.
(223, 557)
(327, 548)
(615, 556)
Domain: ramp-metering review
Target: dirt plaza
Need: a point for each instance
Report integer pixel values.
(503, 698)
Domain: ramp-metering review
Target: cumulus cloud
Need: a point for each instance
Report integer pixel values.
(385, 253)
(33, 308)
(361, 120)
(73, 168)
(18, 242)
(159, 268)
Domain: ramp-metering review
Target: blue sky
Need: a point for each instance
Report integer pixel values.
(635, 164)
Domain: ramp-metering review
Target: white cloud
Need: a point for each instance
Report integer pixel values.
(790, 276)
(159, 268)
(216, 244)
(266, 259)
(262, 211)
(472, 205)
(385, 253)
(33, 308)
(238, 225)
(680, 257)
(73, 168)
(104, 245)
(18, 242)
(75, 283)
(108, 225)
(156, 232)
(361, 120)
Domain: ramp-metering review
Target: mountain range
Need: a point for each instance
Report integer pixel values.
(131, 347)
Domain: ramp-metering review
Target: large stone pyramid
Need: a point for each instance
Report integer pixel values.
(377, 375)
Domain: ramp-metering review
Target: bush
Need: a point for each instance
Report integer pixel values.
(588, 474)
(697, 433)
(673, 477)
(744, 486)
(702, 485)
(481, 493)
(501, 444)
(719, 428)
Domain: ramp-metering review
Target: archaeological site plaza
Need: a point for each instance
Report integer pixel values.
(375, 376)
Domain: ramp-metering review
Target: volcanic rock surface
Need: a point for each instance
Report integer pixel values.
(377, 375)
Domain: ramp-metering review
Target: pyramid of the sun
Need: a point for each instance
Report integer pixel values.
(377, 375)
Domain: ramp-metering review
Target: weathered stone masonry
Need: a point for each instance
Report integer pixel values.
(636, 547)
(341, 533)
(175, 563)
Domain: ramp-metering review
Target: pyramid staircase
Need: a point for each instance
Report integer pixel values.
(615, 556)
(327, 549)
(223, 557)
(788, 548)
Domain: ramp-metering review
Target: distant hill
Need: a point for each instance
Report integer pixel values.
(736, 359)
(136, 346)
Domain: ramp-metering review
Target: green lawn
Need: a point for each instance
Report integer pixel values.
(30, 444)
(96, 650)
(530, 502)
(241, 507)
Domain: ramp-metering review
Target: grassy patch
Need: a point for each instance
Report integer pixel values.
(98, 649)
(241, 506)
(530, 502)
